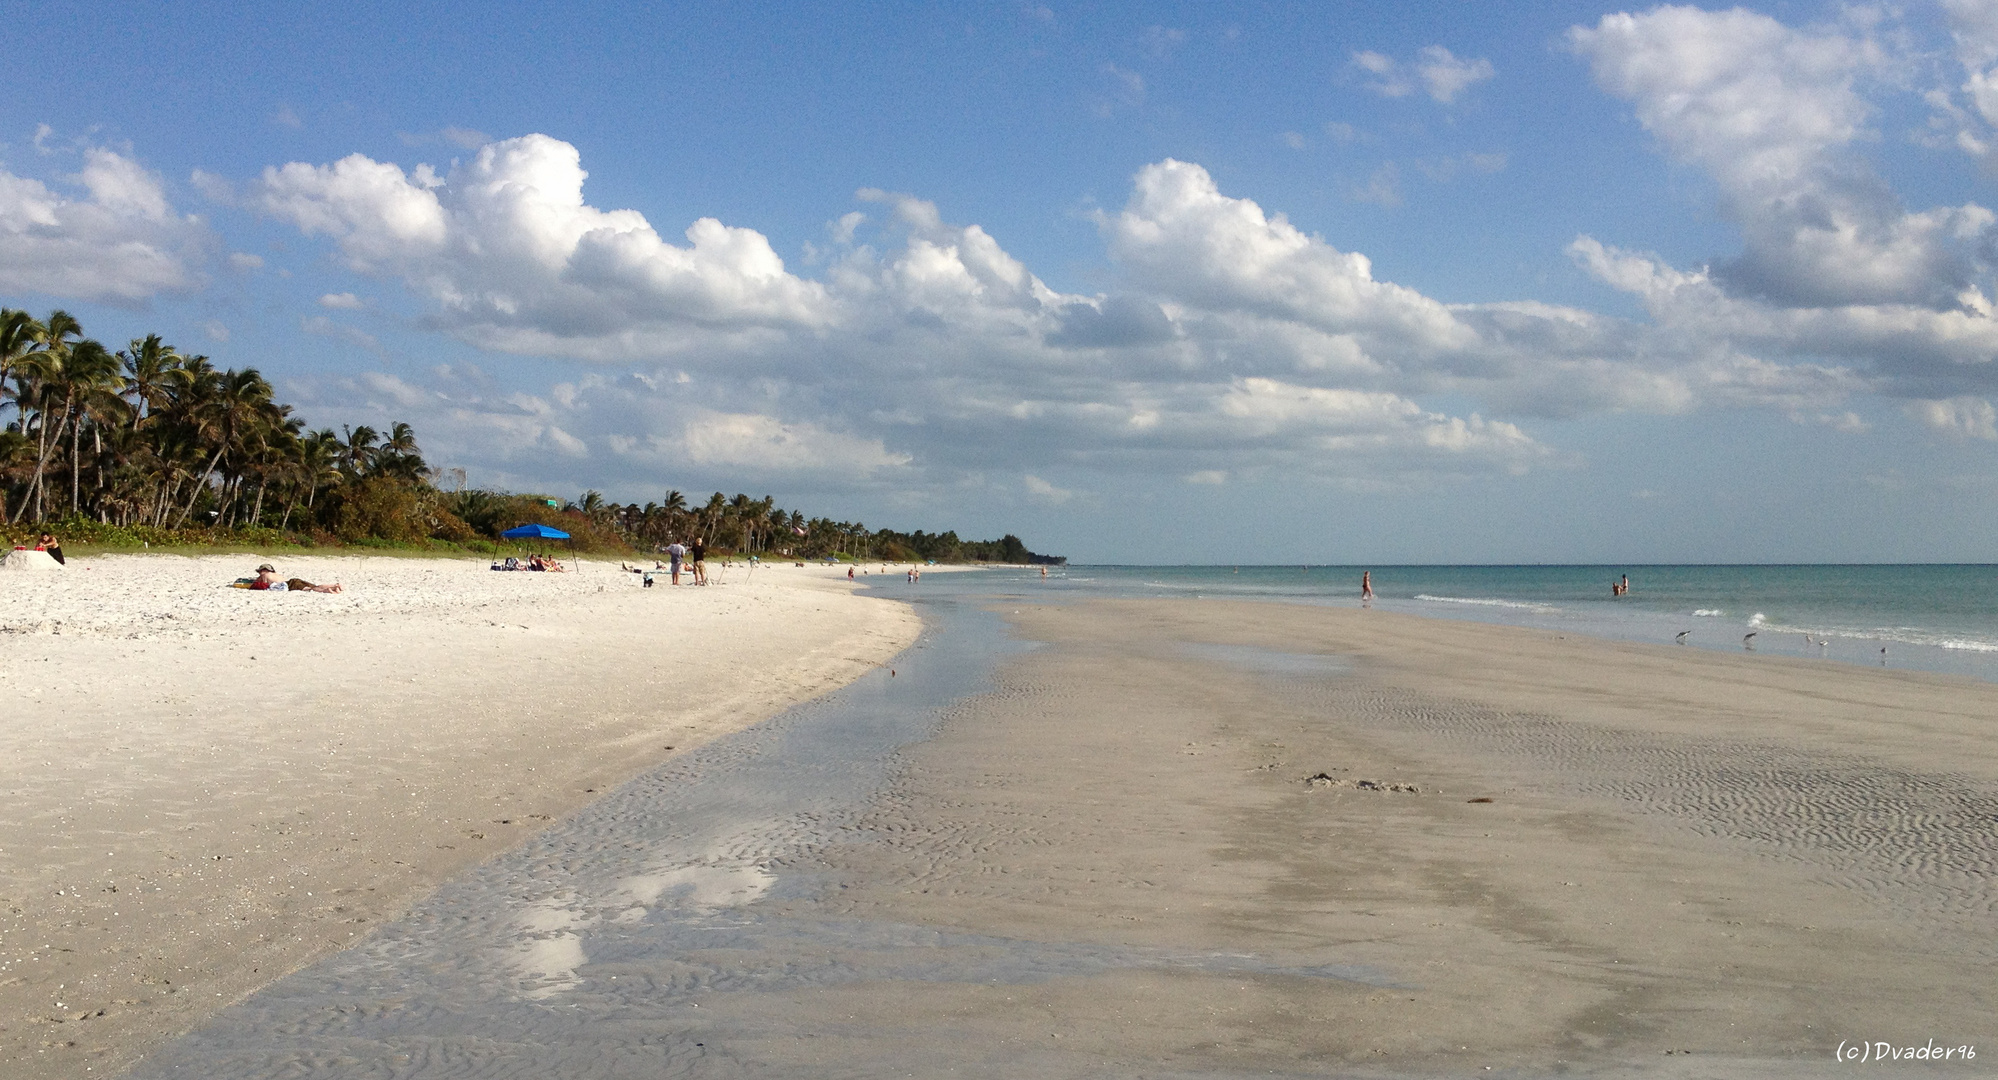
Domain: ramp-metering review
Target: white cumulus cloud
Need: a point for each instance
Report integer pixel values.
(1959, 417)
(1446, 76)
(515, 260)
(1227, 342)
(106, 234)
(1772, 112)
(1441, 73)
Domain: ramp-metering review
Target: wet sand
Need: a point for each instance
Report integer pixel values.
(1690, 864)
(1212, 839)
(202, 789)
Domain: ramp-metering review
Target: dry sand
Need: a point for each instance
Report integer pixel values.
(1552, 853)
(205, 788)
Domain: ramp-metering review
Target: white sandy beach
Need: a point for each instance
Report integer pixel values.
(1538, 852)
(208, 787)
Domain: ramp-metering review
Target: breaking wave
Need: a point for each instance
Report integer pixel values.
(1484, 602)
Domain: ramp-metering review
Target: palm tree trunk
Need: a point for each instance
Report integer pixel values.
(41, 454)
(206, 475)
(75, 466)
(41, 465)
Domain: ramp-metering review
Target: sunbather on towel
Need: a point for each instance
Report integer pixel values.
(267, 578)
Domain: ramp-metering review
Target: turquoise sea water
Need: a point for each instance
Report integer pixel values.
(1927, 617)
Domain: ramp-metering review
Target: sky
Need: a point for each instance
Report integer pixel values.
(1142, 283)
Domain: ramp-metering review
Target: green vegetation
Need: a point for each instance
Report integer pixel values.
(147, 447)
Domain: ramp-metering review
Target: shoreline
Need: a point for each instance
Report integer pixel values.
(207, 788)
(1921, 621)
(1229, 839)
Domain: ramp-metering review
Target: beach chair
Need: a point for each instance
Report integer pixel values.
(511, 563)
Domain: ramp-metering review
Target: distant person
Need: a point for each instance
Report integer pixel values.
(697, 558)
(1626, 584)
(675, 552)
(643, 574)
(1366, 586)
(849, 573)
(48, 543)
(1044, 573)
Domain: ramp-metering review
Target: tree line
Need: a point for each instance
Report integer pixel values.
(147, 440)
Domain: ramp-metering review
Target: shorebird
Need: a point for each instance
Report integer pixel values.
(1748, 641)
(1681, 639)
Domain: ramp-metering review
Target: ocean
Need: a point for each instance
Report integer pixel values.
(1927, 617)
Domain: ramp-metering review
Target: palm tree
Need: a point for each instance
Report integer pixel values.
(226, 417)
(711, 515)
(275, 454)
(152, 372)
(91, 387)
(360, 450)
(16, 452)
(37, 372)
(399, 456)
(319, 464)
(19, 333)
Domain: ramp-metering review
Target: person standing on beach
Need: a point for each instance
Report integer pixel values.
(676, 551)
(698, 559)
(1366, 586)
(48, 543)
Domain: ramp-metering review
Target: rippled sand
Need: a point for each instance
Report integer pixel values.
(203, 788)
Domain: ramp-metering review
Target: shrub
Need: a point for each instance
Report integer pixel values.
(380, 508)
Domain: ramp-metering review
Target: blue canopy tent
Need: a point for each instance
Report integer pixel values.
(538, 532)
(530, 532)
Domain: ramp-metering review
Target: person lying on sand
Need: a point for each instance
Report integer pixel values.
(267, 578)
(642, 572)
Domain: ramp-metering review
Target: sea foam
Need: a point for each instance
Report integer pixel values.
(1486, 602)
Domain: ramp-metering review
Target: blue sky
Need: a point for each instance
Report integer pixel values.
(1201, 282)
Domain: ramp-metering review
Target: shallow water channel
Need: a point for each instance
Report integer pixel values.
(632, 939)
